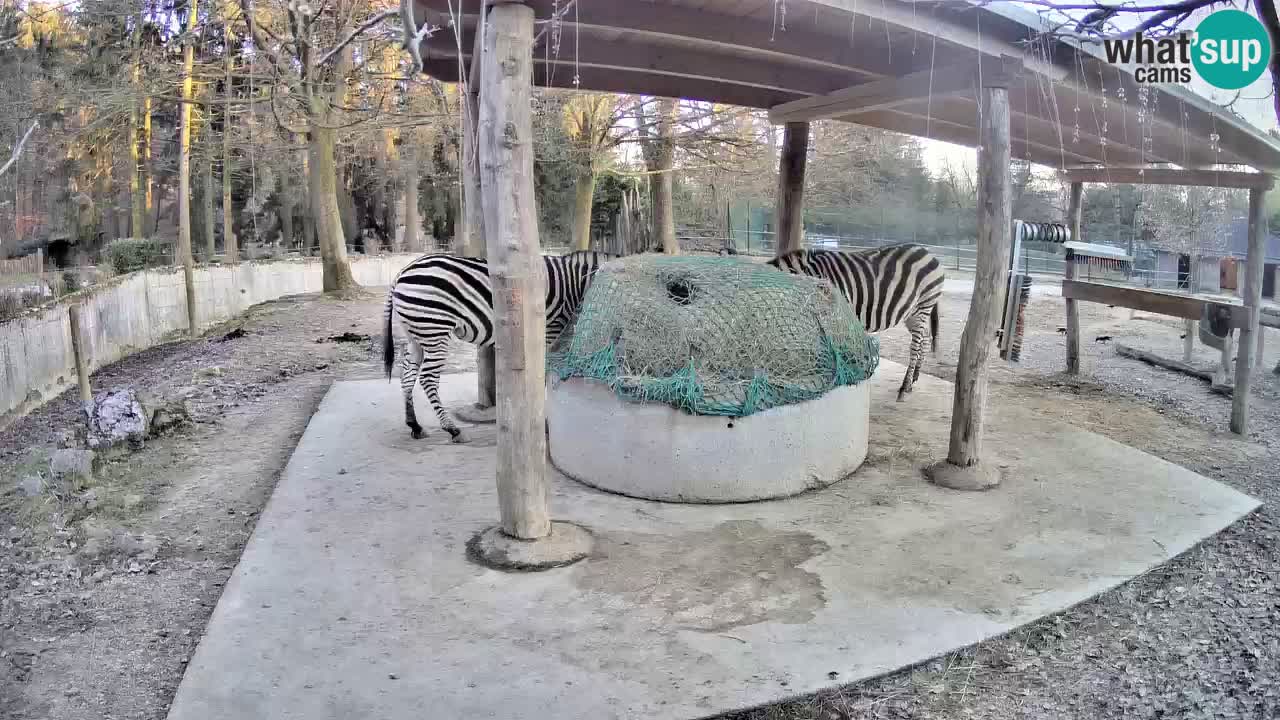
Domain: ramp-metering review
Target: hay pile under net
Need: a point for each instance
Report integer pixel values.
(714, 336)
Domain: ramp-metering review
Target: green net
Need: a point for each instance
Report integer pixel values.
(713, 336)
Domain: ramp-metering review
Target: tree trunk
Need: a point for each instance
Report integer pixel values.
(230, 245)
(790, 201)
(412, 219)
(664, 218)
(285, 210)
(584, 189)
(328, 219)
(153, 212)
(309, 240)
(206, 204)
(137, 199)
(184, 176)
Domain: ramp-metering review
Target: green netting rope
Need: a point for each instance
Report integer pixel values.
(714, 336)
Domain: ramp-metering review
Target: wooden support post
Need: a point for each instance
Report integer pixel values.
(519, 300)
(961, 469)
(526, 539)
(80, 352)
(1252, 295)
(1074, 209)
(790, 202)
(473, 237)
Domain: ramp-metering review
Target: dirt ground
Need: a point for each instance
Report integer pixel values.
(107, 635)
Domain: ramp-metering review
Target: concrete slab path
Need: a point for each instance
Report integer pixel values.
(354, 599)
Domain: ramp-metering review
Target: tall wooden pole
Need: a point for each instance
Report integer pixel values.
(473, 237)
(994, 241)
(1252, 294)
(184, 173)
(790, 201)
(1075, 207)
(519, 300)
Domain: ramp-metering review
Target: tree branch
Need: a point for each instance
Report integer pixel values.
(17, 150)
(364, 26)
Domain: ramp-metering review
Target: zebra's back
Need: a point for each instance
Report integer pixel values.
(885, 285)
(445, 293)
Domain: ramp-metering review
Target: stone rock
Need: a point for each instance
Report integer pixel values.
(116, 417)
(31, 485)
(209, 372)
(168, 414)
(130, 416)
(72, 467)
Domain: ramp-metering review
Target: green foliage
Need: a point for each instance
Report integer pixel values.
(129, 254)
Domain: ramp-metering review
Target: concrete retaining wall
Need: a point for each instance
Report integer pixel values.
(143, 309)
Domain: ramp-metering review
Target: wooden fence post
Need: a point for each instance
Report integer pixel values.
(80, 352)
(511, 237)
(1074, 209)
(961, 470)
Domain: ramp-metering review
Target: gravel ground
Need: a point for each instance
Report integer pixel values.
(1196, 638)
(107, 636)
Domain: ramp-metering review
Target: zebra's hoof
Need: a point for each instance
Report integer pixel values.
(417, 433)
(902, 395)
(459, 437)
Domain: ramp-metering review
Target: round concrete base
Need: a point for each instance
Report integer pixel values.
(982, 476)
(476, 415)
(656, 452)
(567, 544)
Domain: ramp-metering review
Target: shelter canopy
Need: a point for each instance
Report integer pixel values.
(752, 53)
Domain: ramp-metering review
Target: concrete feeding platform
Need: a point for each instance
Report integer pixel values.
(354, 597)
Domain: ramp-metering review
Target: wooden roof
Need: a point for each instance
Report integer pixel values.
(744, 52)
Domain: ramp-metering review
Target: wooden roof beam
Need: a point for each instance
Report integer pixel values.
(889, 92)
(1171, 176)
(876, 95)
(711, 31)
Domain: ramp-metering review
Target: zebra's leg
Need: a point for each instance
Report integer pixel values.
(918, 326)
(435, 353)
(410, 365)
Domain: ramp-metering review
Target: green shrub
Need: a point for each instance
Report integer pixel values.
(129, 254)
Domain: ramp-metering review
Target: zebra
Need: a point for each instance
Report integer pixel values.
(438, 297)
(886, 286)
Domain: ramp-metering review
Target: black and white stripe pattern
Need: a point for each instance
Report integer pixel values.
(886, 286)
(440, 297)
(1044, 232)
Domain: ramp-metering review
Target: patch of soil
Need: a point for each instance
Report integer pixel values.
(106, 634)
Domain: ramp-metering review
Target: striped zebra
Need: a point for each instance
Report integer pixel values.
(886, 286)
(439, 297)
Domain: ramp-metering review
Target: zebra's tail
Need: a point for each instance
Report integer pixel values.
(933, 329)
(388, 346)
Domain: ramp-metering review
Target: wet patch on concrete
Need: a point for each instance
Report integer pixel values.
(737, 573)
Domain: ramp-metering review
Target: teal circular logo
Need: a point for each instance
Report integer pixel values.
(1232, 49)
